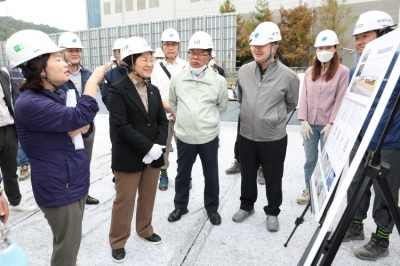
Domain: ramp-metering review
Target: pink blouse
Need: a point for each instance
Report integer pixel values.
(320, 100)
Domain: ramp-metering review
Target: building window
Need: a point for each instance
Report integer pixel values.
(118, 6)
(129, 5)
(141, 4)
(154, 3)
(107, 8)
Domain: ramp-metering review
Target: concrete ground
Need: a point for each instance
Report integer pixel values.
(192, 240)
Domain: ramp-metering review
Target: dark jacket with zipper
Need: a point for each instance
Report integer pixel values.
(59, 173)
(85, 75)
(137, 131)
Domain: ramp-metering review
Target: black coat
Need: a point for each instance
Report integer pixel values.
(136, 129)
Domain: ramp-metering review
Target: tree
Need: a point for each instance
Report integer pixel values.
(334, 15)
(227, 7)
(295, 29)
(246, 27)
(9, 26)
(262, 13)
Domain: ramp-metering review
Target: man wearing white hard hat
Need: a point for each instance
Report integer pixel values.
(78, 76)
(163, 70)
(159, 55)
(268, 91)
(324, 87)
(198, 95)
(139, 119)
(370, 26)
(113, 75)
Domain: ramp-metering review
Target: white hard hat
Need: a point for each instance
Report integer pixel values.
(251, 36)
(265, 33)
(118, 44)
(69, 40)
(170, 35)
(112, 58)
(326, 38)
(213, 53)
(134, 45)
(159, 53)
(372, 20)
(25, 45)
(200, 40)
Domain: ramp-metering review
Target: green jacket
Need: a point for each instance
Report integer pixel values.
(197, 105)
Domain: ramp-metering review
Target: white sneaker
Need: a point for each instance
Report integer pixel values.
(272, 223)
(22, 208)
(305, 198)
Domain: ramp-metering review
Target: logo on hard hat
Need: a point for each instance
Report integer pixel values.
(256, 35)
(171, 35)
(18, 48)
(196, 42)
(324, 38)
(37, 50)
(74, 40)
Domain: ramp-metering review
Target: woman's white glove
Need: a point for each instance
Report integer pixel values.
(147, 159)
(305, 130)
(326, 131)
(156, 151)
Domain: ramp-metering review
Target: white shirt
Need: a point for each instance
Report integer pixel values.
(5, 116)
(76, 78)
(161, 80)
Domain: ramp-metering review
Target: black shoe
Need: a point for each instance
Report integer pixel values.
(118, 255)
(215, 218)
(354, 232)
(176, 215)
(154, 239)
(91, 201)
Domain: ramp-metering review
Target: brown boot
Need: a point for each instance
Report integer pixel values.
(24, 172)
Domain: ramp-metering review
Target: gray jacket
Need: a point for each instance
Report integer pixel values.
(265, 104)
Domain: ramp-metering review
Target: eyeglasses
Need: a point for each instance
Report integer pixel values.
(199, 55)
(170, 44)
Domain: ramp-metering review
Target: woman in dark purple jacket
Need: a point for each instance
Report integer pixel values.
(45, 125)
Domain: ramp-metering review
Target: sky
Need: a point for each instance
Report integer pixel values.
(67, 15)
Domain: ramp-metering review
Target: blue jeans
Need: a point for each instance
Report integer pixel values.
(311, 150)
(21, 157)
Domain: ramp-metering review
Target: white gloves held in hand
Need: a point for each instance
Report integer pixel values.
(326, 130)
(147, 159)
(305, 130)
(154, 153)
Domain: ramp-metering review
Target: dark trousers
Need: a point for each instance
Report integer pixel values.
(8, 163)
(271, 155)
(187, 154)
(66, 224)
(380, 211)
(237, 142)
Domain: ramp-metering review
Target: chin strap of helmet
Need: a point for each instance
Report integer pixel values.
(271, 55)
(133, 69)
(25, 69)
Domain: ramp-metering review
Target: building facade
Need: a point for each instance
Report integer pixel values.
(94, 13)
(122, 12)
